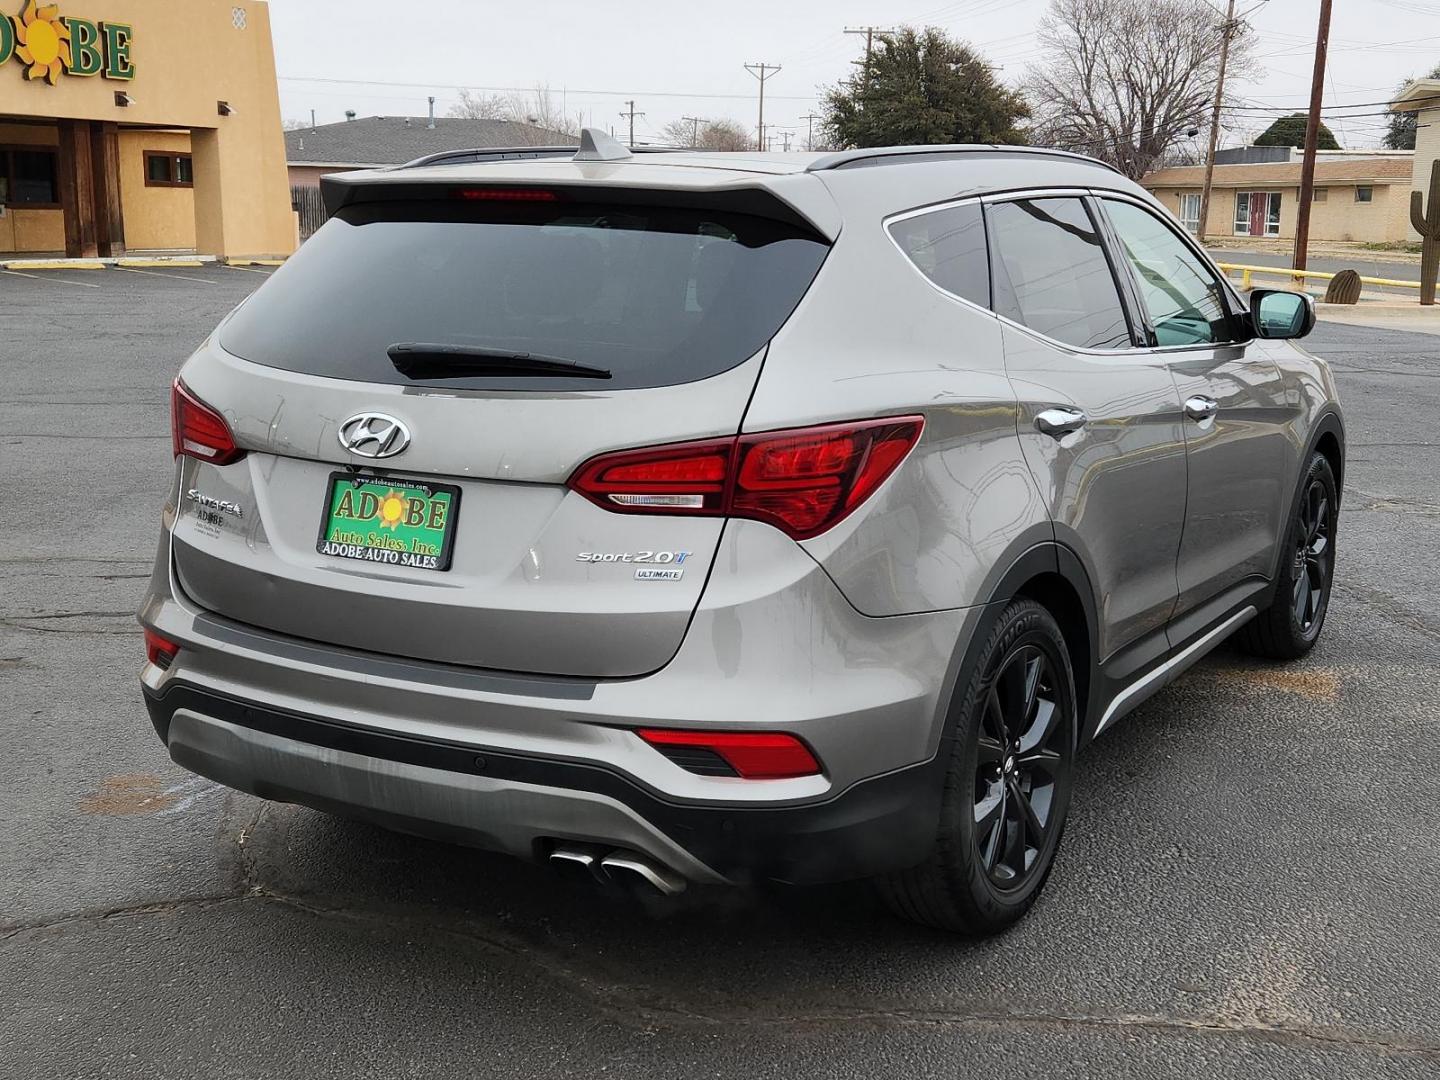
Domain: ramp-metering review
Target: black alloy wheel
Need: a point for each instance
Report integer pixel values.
(1313, 558)
(1019, 759)
(1007, 782)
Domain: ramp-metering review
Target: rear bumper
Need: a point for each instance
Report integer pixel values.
(526, 806)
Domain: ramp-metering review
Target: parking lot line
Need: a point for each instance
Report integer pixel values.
(57, 280)
(156, 273)
(247, 269)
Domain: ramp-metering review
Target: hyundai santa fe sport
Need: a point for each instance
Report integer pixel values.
(702, 519)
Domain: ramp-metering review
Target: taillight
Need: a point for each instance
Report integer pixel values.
(198, 431)
(802, 481)
(506, 194)
(160, 651)
(752, 755)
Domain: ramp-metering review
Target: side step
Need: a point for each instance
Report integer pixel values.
(618, 867)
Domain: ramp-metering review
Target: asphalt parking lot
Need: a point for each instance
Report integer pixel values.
(1248, 884)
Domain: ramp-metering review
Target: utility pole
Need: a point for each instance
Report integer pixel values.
(871, 33)
(631, 115)
(695, 122)
(762, 72)
(785, 135)
(1227, 31)
(1312, 133)
(810, 119)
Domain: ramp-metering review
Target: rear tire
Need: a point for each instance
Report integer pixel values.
(1007, 788)
(1290, 626)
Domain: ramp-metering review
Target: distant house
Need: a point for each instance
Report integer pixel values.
(371, 141)
(1358, 197)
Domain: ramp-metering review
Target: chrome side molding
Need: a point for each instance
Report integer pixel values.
(1152, 681)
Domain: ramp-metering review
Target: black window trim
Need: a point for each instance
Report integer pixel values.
(1236, 309)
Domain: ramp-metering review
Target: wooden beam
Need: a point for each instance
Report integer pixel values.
(105, 160)
(77, 189)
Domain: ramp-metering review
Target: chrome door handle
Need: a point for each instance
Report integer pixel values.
(1200, 408)
(1060, 421)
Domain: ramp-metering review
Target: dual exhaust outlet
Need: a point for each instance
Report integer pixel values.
(620, 867)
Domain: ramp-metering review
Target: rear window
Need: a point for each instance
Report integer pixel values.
(654, 296)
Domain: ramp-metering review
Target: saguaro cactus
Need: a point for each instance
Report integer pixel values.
(1428, 226)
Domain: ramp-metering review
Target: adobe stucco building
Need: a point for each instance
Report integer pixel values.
(141, 125)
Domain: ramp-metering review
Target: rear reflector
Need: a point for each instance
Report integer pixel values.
(802, 481)
(198, 431)
(506, 194)
(159, 651)
(754, 755)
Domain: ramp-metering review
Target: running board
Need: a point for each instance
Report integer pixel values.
(1154, 680)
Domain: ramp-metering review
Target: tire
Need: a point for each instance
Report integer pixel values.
(989, 862)
(1289, 627)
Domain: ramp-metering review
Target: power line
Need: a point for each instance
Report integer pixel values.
(528, 89)
(695, 122)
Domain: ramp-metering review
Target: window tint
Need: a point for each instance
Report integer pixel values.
(1051, 273)
(1184, 299)
(655, 296)
(948, 247)
(157, 168)
(33, 175)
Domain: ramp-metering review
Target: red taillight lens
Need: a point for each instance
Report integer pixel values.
(506, 194)
(801, 481)
(160, 651)
(199, 431)
(754, 755)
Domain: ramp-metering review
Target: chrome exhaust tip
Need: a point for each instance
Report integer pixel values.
(576, 863)
(625, 868)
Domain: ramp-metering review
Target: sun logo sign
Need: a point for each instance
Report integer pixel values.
(47, 45)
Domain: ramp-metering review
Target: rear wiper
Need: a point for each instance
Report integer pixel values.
(425, 360)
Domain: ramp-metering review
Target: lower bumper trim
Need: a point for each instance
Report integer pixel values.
(881, 824)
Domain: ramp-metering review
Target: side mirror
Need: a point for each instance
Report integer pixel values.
(1275, 313)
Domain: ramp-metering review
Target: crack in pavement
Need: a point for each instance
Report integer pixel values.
(634, 1007)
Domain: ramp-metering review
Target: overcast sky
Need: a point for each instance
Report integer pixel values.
(685, 59)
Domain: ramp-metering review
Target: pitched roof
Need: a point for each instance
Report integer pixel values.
(393, 140)
(1382, 170)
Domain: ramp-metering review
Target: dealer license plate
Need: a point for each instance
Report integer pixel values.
(386, 521)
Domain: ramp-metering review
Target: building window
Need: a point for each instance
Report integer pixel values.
(168, 170)
(28, 177)
(1190, 211)
(1364, 194)
(1319, 194)
(1257, 213)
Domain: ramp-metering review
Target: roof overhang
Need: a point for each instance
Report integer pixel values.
(1420, 94)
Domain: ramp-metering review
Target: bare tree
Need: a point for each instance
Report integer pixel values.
(1125, 80)
(295, 125)
(706, 135)
(537, 110)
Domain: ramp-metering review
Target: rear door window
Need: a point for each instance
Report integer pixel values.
(948, 247)
(1052, 275)
(655, 296)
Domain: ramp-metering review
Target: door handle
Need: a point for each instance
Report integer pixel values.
(1200, 408)
(1060, 421)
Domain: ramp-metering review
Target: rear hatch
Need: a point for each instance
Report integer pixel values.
(488, 341)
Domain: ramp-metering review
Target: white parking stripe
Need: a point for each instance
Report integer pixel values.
(248, 269)
(157, 273)
(58, 280)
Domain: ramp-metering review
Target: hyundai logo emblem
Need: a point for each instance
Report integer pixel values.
(374, 435)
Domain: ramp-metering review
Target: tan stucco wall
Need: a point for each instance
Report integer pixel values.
(30, 230)
(188, 56)
(1339, 217)
(1427, 150)
(155, 217)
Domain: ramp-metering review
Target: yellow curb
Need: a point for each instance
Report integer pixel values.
(53, 264)
(158, 262)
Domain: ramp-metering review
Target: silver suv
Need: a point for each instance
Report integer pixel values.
(717, 518)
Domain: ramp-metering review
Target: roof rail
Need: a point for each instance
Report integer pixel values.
(900, 155)
(481, 155)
